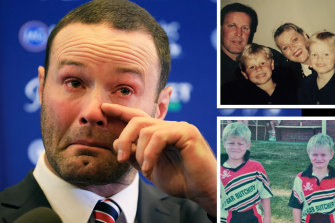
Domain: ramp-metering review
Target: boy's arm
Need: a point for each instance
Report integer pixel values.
(296, 200)
(267, 210)
(223, 198)
(296, 215)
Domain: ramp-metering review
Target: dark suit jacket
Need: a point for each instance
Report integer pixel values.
(153, 205)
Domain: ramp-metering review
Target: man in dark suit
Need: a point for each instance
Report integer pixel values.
(238, 26)
(103, 100)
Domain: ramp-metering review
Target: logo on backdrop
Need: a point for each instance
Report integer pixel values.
(35, 149)
(33, 36)
(213, 38)
(31, 92)
(251, 112)
(171, 30)
(181, 94)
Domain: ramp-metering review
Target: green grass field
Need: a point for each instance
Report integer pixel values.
(282, 161)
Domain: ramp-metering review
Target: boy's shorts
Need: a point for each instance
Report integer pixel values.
(319, 218)
(244, 217)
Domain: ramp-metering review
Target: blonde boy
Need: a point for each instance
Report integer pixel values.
(313, 193)
(257, 66)
(244, 183)
(319, 87)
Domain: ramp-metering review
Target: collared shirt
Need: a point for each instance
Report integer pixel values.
(73, 204)
(309, 92)
(315, 198)
(242, 189)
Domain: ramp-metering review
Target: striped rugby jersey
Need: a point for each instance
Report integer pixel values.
(315, 199)
(242, 189)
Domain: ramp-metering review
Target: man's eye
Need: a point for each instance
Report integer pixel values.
(245, 28)
(125, 91)
(251, 68)
(73, 83)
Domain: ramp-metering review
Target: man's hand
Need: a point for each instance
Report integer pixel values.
(172, 155)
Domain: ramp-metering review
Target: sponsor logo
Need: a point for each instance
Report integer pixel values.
(35, 149)
(31, 92)
(171, 30)
(181, 94)
(33, 36)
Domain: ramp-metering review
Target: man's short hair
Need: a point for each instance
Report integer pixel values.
(238, 7)
(123, 15)
(250, 51)
(236, 129)
(286, 27)
(320, 140)
(323, 36)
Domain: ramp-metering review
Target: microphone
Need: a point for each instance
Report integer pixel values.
(39, 215)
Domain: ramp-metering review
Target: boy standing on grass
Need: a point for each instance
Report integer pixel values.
(244, 183)
(313, 194)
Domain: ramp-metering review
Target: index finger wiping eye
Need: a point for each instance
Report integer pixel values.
(122, 112)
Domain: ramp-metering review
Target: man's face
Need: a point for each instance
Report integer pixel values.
(258, 69)
(236, 147)
(235, 32)
(320, 157)
(322, 56)
(91, 65)
(293, 46)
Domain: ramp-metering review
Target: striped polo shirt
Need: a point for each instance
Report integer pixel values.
(315, 198)
(242, 189)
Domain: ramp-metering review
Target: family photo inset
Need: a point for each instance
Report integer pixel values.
(276, 58)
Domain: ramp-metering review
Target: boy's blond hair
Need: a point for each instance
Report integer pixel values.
(323, 36)
(250, 51)
(236, 129)
(320, 140)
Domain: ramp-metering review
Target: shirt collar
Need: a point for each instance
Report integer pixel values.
(309, 172)
(73, 204)
(224, 158)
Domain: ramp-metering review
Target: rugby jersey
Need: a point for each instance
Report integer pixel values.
(315, 198)
(242, 189)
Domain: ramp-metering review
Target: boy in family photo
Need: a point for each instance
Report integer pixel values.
(319, 87)
(261, 85)
(244, 183)
(313, 192)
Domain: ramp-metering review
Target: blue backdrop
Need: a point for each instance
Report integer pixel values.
(25, 25)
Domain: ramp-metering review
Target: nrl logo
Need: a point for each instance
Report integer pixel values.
(308, 187)
(225, 174)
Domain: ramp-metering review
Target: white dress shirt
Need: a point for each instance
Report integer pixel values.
(306, 70)
(73, 204)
